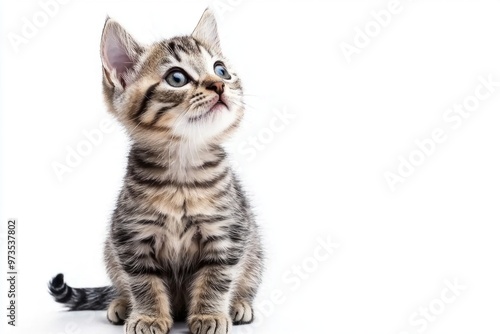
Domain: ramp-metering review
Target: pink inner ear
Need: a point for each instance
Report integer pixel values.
(117, 57)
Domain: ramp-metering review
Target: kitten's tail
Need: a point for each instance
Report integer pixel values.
(79, 299)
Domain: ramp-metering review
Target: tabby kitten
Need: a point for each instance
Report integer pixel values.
(183, 243)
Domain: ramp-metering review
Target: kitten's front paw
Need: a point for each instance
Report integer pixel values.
(118, 311)
(210, 324)
(142, 324)
(241, 313)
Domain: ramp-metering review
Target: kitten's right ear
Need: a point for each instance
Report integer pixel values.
(119, 53)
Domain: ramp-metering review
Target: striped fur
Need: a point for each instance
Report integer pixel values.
(183, 242)
(78, 299)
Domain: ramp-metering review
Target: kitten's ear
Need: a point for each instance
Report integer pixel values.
(206, 31)
(119, 53)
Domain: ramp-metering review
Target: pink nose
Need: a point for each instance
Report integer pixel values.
(217, 86)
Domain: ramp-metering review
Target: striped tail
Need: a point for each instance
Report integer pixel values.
(79, 299)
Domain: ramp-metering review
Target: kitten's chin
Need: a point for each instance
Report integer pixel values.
(213, 111)
(217, 123)
(219, 106)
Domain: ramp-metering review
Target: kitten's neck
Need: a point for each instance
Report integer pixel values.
(177, 161)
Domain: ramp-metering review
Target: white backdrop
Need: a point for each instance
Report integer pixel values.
(370, 151)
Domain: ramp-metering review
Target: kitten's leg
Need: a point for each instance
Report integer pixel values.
(210, 300)
(150, 312)
(119, 308)
(139, 270)
(246, 285)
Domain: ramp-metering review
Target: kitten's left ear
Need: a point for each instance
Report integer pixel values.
(119, 53)
(206, 31)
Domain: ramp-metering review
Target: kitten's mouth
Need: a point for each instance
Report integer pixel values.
(217, 106)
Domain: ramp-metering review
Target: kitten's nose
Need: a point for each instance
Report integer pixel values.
(217, 86)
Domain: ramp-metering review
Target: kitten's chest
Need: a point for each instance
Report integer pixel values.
(188, 220)
(194, 203)
(179, 239)
(193, 184)
(184, 201)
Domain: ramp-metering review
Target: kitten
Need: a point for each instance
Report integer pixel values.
(183, 243)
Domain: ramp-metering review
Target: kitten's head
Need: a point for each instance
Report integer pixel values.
(178, 90)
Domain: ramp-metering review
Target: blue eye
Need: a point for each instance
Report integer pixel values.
(221, 71)
(177, 78)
